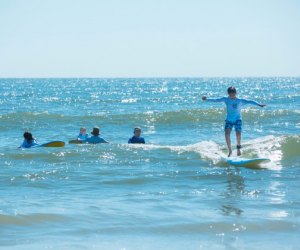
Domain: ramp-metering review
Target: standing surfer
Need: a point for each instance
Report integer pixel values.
(234, 117)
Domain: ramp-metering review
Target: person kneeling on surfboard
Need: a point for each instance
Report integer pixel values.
(29, 141)
(95, 138)
(136, 138)
(233, 118)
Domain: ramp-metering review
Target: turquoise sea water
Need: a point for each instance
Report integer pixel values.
(175, 192)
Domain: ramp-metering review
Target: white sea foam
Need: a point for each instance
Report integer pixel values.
(269, 147)
(130, 100)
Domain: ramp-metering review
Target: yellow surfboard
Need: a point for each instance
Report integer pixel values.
(53, 144)
(75, 142)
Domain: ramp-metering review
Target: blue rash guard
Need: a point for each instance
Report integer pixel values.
(137, 140)
(82, 137)
(95, 140)
(233, 107)
(27, 144)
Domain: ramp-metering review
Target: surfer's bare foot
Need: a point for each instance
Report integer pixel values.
(238, 148)
(229, 153)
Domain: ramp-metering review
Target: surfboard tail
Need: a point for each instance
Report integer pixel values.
(54, 144)
(75, 142)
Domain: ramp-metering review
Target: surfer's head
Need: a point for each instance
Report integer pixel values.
(137, 132)
(231, 92)
(28, 136)
(83, 131)
(96, 131)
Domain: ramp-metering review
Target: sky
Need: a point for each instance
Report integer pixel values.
(149, 38)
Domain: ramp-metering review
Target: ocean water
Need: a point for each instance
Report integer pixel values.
(175, 192)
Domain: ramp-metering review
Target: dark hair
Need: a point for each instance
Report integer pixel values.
(28, 136)
(231, 90)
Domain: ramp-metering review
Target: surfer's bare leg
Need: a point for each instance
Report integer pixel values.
(238, 141)
(228, 141)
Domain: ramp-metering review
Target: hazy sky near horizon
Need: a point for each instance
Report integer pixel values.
(153, 38)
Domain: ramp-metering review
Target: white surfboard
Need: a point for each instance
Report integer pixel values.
(244, 162)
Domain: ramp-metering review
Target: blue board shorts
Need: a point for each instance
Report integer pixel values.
(237, 125)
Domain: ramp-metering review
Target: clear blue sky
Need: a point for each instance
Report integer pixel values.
(153, 38)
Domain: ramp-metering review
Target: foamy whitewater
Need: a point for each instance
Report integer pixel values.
(175, 192)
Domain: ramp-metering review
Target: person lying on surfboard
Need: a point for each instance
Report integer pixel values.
(29, 141)
(233, 118)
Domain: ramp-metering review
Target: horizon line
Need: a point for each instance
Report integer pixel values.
(138, 77)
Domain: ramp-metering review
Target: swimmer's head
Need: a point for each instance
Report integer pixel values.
(28, 136)
(137, 132)
(96, 131)
(83, 131)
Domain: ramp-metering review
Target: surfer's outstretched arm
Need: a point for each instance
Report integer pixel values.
(245, 101)
(222, 99)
